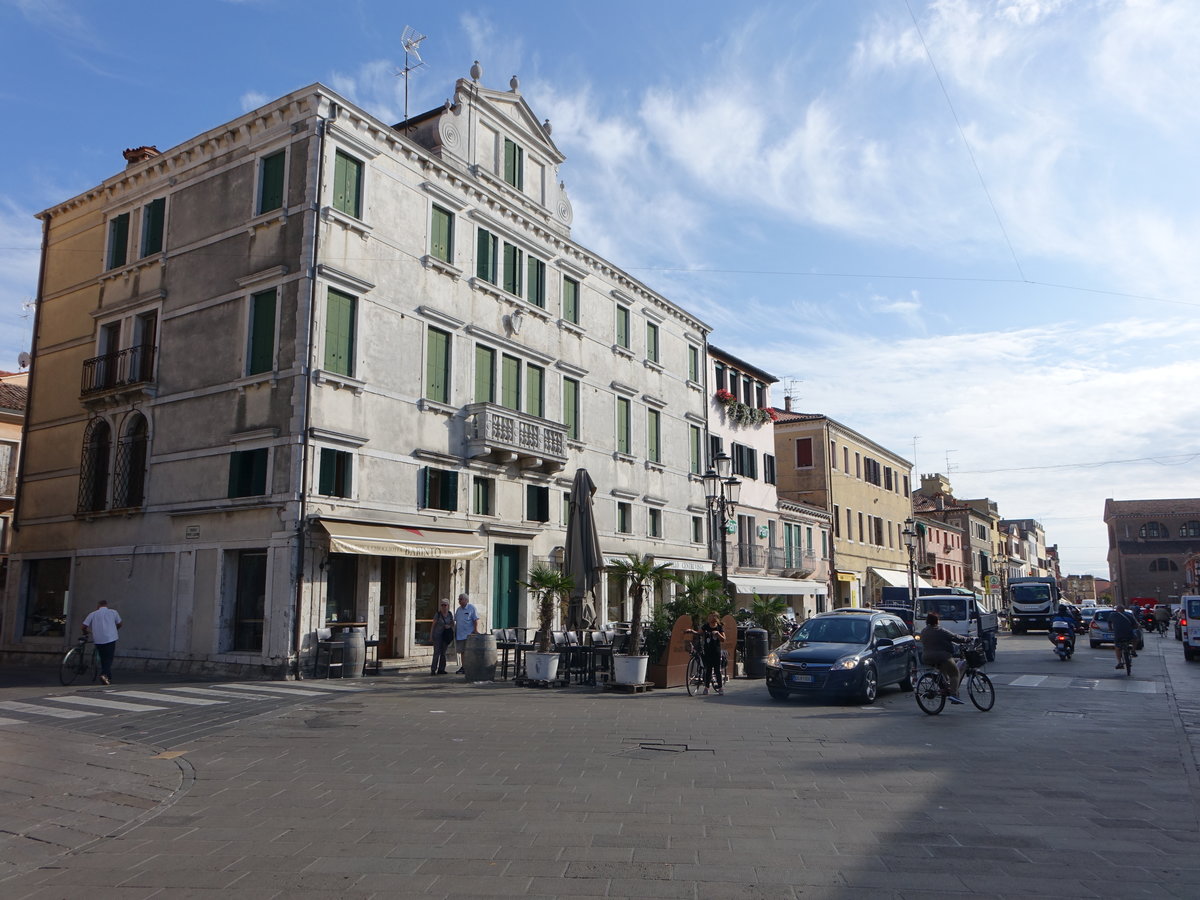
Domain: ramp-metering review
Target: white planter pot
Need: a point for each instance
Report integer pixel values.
(630, 669)
(541, 666)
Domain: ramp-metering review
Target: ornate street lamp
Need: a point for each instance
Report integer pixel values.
(910, 541)
(721, 493)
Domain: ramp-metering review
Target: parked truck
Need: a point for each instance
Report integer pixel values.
(962, 614)
(1032, 602)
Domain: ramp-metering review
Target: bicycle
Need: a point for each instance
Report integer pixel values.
(695, 669)
(1126, 648)
(1160, 627)
(77, 661)
(933, 687)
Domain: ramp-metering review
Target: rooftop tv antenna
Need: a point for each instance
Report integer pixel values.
(411, 41)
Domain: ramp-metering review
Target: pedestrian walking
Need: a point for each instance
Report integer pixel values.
(102, 625)
(466, 619)
(440, 635)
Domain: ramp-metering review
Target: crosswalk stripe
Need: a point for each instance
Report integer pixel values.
(293, 691)
(166, 698)
(210, 692)
(4, 721)
(16, 706)
(1029, 680)
(104, 704)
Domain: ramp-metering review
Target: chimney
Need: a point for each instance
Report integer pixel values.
(787, 402)
(135, 155)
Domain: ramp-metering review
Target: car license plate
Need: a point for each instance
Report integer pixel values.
(800, 678)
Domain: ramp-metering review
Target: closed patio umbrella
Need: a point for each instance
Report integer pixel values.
(584, 562)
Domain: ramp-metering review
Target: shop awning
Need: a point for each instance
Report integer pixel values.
(393, 540)
(896, 577)
(768, 586)
(681, 565)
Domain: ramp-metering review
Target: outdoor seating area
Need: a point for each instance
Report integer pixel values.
(585, 657)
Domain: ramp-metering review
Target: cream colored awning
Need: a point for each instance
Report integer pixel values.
(768, 586)
(392, 540)
(896, 577)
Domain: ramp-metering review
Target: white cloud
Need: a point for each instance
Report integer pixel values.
(19, 259)
(253, 100)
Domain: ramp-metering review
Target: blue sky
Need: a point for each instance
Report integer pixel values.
(966, 229)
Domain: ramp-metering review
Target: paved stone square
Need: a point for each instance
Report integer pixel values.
(1080, 783)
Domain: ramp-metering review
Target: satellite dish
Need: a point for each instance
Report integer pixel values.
(24, 359)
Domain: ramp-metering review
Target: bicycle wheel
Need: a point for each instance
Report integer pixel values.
(695, 675)
(929, 694)
(979, 687)
(73, 665)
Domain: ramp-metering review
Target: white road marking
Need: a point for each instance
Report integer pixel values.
(166, 698)
(1029, 680)
(10, 721)
(210, 692)
(275, 689)
(104, 704)
(14, 706)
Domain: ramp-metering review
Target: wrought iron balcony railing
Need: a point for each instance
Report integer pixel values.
(114, 371)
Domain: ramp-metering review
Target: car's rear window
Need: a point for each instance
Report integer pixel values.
(1102, 616)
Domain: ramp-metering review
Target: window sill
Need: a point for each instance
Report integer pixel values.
(573, 327)
(427, 405)
(130, 268)
(618, 350)
(655, 365)
(486, 287)
(528, 306)
(624, 457)
(267, 219)
(321, 376)
(695, 385)
(430, 261)
(653, 466)
(347, 221)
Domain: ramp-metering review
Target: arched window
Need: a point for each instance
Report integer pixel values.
(1189, 529)
(94, 468)
(1153, 530)
(1162, 564)
(131, 464)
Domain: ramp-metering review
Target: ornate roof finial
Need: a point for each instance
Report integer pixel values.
(514, 84)
(546, 127)
(476, 71)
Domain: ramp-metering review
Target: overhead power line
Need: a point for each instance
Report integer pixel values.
(1180, 459)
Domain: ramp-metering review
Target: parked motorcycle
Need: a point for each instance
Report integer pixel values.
(1063, 640)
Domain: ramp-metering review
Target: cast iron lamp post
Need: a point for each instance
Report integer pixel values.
(721, 492)
(910, 541)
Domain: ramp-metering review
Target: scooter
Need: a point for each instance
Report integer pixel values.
(1063, 640)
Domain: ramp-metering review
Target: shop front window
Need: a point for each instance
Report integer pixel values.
(47, 591)
(428, 591)
(341, 588)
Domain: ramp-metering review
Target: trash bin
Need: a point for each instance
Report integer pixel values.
(756, 653)
(479, 659)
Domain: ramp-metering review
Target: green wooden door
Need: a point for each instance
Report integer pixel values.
(505, 572)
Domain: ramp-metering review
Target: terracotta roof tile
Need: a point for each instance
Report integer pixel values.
(13, 396)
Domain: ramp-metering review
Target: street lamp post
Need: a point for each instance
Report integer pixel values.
(910, 541)
(721, 493)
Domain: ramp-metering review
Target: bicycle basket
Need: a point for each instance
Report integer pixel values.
(975, 658)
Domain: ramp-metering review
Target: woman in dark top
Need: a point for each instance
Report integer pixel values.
(937, 649)
(712, 638)
(441, 634)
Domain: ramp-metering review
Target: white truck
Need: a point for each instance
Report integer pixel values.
(961, 614)
(1191, 631)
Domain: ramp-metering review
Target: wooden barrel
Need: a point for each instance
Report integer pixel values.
(354, 652)
(479, 659)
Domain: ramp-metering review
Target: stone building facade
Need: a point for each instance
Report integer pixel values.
(332, 371)
(1153, 546)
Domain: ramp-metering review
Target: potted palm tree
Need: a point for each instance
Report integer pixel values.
(641, 573)
(548, 586)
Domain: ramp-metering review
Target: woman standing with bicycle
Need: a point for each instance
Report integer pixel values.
(712, 639)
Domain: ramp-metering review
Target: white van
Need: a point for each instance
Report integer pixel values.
(1191, 631)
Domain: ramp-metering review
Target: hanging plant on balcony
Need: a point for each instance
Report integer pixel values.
(724, 397)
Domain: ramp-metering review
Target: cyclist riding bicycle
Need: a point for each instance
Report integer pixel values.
(1124, 628)
(937, 649)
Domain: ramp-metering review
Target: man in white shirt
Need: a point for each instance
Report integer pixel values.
(465, 619)
(102, 625)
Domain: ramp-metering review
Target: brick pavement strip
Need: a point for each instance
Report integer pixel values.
(510, 792)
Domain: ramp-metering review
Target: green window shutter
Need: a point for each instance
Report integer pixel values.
(622, 425)
(535, 390)
(651, 342)
(653, 436)
(512, 269)
(118, 241)
(248, 473)
(153, 220)
(571, 407)
(449, 491)
(441, 242)
(347, 184)
(693, 363)
(535, 282)
(485, 371)
(270, 187)
(622, 326)
(514, 164)
(570, 310)
(510, 382)
(485, 257)
(426, 487)
(437, 367)
(694, 449)
(261, 355)
(328, 475)
(339, 333)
